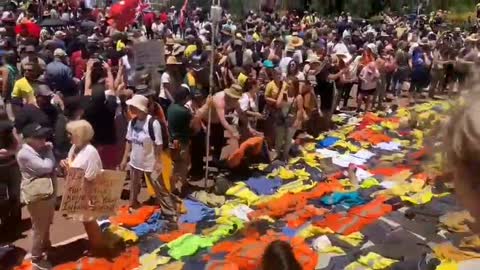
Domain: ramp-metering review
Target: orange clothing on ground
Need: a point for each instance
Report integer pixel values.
(253, 144)
(298, 218)
(277, 208)
(368, 135)
(324, 188)
(357, 218)
(127, 219)
(247, 253)
(128, 260)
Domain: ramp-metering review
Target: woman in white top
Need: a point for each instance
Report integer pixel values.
(83, 155)
(248, 104)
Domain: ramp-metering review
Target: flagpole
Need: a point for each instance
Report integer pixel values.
(215, 12)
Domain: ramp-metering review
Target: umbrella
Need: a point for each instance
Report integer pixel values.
(52, 23)
(32, 29)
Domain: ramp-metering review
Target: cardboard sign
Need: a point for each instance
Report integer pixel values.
(149, 54)
(92, 198)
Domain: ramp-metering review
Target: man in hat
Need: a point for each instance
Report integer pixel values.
(31, 57)
(240, 57)
(169, 82)
(42, 111)
(59, 75)
(221, 104)
(283, 65)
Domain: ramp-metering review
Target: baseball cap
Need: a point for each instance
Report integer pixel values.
(35, 130)
(59, 53)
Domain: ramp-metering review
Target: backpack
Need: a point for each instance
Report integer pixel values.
(151, 133)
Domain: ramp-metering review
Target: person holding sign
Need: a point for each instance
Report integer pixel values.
(85, 157)
(37, 166)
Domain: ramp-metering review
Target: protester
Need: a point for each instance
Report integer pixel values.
(143, 147)
(84, 156)
(9, 173)
(37, 166)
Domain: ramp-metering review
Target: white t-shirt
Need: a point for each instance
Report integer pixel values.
(164, 79)
(142, 156)
(129, 70)
(283, 65)
(87, 159)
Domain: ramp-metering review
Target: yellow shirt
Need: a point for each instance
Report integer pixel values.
(272, 90)
(23, 89)
(120, 46)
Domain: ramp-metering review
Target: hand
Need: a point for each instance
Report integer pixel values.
(64, 163)
(106, 66)
(297, 124)
(123, 165)
(258, 115)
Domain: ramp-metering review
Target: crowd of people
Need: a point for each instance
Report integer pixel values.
(74, 98)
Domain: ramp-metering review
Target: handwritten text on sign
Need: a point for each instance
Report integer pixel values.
(149, 53)
(92, 198)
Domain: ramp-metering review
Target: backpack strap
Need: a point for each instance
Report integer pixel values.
(151, 132)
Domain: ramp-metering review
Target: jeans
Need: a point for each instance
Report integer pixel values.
(283, 140)
(41, 213)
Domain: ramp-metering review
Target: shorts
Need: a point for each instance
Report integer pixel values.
(367, 92)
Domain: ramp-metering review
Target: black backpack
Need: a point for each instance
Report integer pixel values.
(151, 133)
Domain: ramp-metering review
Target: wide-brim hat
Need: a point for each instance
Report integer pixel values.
(235, 91)
(178, 49)
(172, 60)
(170, 41)
(138, 101)
(313, 59)
(144, 90)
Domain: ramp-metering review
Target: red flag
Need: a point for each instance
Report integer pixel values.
(183, 13)
(122, 13)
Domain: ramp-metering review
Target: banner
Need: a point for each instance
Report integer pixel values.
(92, 198)
(149, 54)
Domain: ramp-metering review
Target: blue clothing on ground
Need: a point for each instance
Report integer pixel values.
(196, 212)
(263, 185)
(347, 199)
(327, 142)
(153, 224)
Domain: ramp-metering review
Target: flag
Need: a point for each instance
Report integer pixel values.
(183, 13)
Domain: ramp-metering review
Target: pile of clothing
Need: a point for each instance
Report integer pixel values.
(362, 196)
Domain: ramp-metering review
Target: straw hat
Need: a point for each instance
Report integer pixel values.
(235, 91)
(172, 60)
(170, 41)
(140, 102)
(296, 42)
(312, 59)
(177, 49)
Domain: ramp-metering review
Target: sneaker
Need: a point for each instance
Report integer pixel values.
(41, 265)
